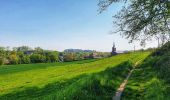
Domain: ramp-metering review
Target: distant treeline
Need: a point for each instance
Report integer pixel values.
(26, 55)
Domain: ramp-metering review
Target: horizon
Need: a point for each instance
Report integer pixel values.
(59, 25)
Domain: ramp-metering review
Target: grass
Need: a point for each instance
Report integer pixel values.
(90, 79)
(9, 69)
(146, 83)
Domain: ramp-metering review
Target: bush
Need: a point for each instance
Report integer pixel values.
(52, 56)
(26, 60)
(162, 63)
(1, 60)
(37, 58)
(69, 57)
(13, 59)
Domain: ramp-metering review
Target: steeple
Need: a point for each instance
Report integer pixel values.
(113, 44)
(113, 49)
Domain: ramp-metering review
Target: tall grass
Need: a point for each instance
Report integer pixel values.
(151, 80)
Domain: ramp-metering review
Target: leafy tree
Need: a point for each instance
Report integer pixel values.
(141, 19)
(26, 60)
(21, 56)
(52, 56)
(1, 60)
(37, 58)
(91, 56)
(13, 58)
(38, 50)
(69, 57)
(2, 51)
(79, 56)
(23, 59)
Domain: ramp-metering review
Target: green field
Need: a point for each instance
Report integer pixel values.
(87, 79)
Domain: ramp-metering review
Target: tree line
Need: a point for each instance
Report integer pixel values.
(27, 55)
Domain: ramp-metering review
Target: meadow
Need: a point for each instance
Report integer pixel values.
(95, 79)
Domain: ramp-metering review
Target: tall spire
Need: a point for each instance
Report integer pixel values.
(113, 49)
(113, 44)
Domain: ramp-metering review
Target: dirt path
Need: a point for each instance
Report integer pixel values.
(122, 87)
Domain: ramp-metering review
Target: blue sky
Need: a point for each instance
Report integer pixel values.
(59, 24)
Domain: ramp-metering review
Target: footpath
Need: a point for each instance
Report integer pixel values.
(120, 90)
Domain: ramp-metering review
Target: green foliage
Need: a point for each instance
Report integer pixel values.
(162, 65)
(26, 55)
(38, 50)
(13, 58)
(1, 60)
(145, 85)
(52, 56)
(26, 60)
(69, 57)
(151, 81)
(37, 58)
(141, 19)
(155, 90)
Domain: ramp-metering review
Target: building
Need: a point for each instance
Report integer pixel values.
(113, 50)
(95, 55)
(29, 52)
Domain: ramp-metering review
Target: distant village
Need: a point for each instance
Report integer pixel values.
(26, 55)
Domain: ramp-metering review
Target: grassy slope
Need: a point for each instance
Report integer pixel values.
(64, 80)
(145, 84)
(9, 69)
(151, 80)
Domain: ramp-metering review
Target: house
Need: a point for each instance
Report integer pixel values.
(30, 52)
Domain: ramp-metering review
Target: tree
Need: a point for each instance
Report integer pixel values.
(38, 50)
(2, 51)
(37, 58)
(26, 60)
(69, 57)
(52, 56)
(1, 60)
(23, 59)
(13, 58)
(141, 19)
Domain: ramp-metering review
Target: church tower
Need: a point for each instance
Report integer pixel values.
(113, 50)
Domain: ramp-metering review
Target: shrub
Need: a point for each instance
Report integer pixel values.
(162, 63)
(69, 57)
(37, 58)
(52, 56)
(1, 60)
(26, 60)
(13, 59)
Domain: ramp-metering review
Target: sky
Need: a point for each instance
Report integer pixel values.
(60, 24)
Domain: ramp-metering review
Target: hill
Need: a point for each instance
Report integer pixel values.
(150, 80)
(88, 79)
(78, 50)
